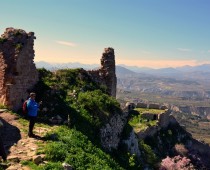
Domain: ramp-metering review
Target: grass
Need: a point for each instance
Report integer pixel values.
(48, 166)
(3, 106)
(89, 109)
(140, 124)
(152, 111)
(71, 146)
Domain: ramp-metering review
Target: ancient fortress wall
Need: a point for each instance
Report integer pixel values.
(18, 73)
(106, 74)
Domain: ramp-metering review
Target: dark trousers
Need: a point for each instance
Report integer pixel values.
(32, 121)
(2, 150)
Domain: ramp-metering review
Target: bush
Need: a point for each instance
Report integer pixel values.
(149, 155)
(56, 151)
(177, 162)
(74, 148)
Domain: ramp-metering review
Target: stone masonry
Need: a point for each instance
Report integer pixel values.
(18, 73)
(106, 74)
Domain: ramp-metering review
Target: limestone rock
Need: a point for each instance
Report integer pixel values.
(37, 159)
(132, 144)
(67, 166)
(13, 158)
(110, 133)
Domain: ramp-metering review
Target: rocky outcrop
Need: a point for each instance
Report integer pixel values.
(133, 144)
(110, 133)
(166, 118)
(150, 131)
(17, 69)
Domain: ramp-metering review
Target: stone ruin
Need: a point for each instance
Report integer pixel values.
(19, 75)
(106, 74)
(17, 69)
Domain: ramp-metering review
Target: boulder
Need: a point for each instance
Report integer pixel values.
(37, 159)
(67, 166)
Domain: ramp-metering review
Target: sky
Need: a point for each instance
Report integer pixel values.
(144, 33)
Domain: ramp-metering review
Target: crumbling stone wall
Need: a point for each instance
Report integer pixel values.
(106, 74)
(18, 73)
(141, 105)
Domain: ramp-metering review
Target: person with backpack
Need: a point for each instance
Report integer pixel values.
(32, 110)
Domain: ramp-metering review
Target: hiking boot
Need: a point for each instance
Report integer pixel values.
(31, 135)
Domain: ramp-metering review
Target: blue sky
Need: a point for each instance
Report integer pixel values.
(147, 33)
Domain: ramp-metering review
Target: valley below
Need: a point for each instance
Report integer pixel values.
(186, 93)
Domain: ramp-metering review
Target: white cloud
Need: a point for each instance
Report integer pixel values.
(208, 51)
(70, 44)
(184, 49)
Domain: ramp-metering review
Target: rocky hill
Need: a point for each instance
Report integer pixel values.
(98, 125)
(81, 124)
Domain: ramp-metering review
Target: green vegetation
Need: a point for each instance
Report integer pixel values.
(140, 123)
(18, 46)
(149, 156)
(70, 146)
(48, 166)
(2, 40)
(17, 33)
(72, 93)
(3, 106)
(167, 139)
(152, 111)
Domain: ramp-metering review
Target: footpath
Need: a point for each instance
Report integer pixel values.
(19, 147)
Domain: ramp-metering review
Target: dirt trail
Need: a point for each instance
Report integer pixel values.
(17, 144)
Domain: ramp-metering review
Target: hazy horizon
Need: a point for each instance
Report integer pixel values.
(97, 64)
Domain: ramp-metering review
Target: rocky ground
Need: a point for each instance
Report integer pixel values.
(19, 147)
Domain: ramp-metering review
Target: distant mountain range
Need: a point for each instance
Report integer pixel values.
(124, 69)
(53, 66)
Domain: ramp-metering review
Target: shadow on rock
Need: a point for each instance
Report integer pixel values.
(10, 135)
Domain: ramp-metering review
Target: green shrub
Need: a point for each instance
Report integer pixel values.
(77, 150)
(2, 106)
(56, 151)
(148, 154)
(48, 166)
(72, 92)
(18, 46)
(2, 40)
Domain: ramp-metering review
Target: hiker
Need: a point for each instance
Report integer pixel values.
(2, 150)
(32, 107)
